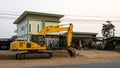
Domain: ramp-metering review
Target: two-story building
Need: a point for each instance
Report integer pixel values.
(32, 23)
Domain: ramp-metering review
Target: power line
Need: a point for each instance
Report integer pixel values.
(94, 16)
(17, 13)
(65, 19)
(8, 17)
(89, 16)
(13, 15)
(87, 20)
(9, 14)
(9, 11)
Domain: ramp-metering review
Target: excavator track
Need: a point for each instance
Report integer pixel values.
(20, 56)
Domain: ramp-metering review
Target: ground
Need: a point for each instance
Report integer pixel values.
(61, 58)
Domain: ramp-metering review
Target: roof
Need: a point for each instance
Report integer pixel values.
(82, 33)
(4, 39)
(25, 13)
(13, 37)
(113, 38)
(85, 33)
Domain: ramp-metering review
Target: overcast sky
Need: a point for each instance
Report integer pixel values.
(86, 15)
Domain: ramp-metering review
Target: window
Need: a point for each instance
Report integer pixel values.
(22, 28)
(29, 27)
(38, 28)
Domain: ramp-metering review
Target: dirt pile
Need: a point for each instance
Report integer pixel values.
(59, 53)
(6, 55)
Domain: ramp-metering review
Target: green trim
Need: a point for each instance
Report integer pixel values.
(113, 38)
(82, 33)
(84, 36)
(85, 33)
(43, 24)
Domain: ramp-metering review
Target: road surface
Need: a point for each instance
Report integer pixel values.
(91, 65)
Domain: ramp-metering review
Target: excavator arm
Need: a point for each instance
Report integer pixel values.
(52, 29)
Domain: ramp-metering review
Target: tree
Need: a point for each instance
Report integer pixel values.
(108, 29)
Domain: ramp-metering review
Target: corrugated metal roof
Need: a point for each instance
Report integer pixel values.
(24, 14)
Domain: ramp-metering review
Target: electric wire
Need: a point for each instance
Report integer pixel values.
(13, 15)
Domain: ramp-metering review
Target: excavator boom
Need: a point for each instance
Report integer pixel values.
(52, 29)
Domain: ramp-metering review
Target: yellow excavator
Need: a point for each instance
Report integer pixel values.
(36, 43)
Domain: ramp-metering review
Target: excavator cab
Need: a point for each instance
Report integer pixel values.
(35, 42)
(38, 39)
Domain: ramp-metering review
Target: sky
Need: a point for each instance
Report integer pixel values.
(86, 15)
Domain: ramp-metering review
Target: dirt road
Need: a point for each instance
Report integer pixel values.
(85, 56)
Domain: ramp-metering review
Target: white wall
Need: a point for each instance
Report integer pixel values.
(34, 24)
(22, 29)
(51, 24)
(40, 23)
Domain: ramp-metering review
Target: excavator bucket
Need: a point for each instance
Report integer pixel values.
(71, 52)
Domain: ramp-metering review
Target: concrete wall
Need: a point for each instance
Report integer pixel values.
(51, 24)
(22, 30)
(45, 18)
(31, 23)
(36, 26)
